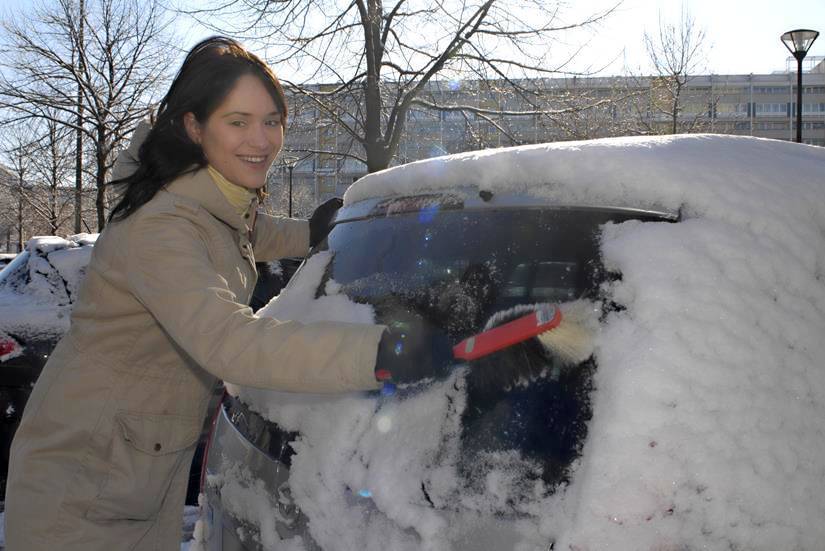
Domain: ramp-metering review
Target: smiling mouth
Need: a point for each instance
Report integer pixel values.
(253, 160)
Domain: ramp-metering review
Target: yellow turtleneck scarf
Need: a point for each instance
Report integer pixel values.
(239, 197)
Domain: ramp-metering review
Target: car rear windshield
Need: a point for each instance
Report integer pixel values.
(460, 267)
(453, 271)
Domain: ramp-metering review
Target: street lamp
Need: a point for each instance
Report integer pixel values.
(289, 163)
(798, 43)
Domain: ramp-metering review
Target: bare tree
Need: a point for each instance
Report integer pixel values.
(35, 192)
(379, 61)
(278, 198)
(93, 67)
(52, 170)
(18, 147)
(78, 131)
(676, 51)
(7, 208)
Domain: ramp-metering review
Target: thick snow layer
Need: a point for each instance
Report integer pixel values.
(36, 299)
(700, 171)
(709, 408)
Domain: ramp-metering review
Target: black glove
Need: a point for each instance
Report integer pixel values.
(409, 353)
(320, 223)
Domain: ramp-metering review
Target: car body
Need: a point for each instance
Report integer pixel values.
(695, 423)
(5, 258)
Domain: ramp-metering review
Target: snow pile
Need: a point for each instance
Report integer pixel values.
(246, 497)
(300, 301)
(710, 388)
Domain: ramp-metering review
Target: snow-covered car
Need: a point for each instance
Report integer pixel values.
(697, 422)
(5, 258)
(37, 290)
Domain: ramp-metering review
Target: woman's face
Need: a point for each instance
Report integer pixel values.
(241, 138)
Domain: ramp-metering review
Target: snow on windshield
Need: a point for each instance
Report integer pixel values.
(37, 297)
(710, 392)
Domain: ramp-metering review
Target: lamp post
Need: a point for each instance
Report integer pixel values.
(289, 163)
(798, 43)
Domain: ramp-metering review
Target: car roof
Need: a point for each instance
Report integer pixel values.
(469, 198)
(658, 173)
(45, 244)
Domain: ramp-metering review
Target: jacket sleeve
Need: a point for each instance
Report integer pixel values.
(277, 237)
(170, 273)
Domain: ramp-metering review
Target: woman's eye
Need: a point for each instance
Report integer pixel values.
(237, 123)
(273, 122)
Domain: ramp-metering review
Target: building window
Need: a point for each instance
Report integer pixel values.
(813, 107)
(772, 125)
(452, 115)
(724, 89)
(811, 89)
(772, 109)
(326, 185)
(771, 90)
(732, 109)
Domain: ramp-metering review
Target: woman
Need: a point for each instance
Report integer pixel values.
(101, 458)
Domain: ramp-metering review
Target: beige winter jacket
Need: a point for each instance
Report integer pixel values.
(101, 458)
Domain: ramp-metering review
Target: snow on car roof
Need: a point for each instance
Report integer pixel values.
(630, 171)
(710, 391)
(49, 243)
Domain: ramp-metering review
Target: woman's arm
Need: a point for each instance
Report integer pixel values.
(276, 237)
(170, 273)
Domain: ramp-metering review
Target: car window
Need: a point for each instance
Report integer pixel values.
(15, 273)
(451, 273)
(462, 267)
(69, 267)
(52, 276)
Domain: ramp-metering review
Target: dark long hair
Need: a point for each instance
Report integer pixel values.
(206, 77)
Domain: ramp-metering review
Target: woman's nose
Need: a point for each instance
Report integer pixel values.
(258, 136)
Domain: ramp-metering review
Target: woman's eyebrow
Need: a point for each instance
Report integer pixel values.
(244, 114)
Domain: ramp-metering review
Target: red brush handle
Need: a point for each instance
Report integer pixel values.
(513, 332)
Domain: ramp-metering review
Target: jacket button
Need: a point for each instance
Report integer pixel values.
(157, 447)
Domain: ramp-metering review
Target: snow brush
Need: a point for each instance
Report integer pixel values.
(521, 343)
(562, 334)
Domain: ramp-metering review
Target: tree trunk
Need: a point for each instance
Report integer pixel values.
(78, 171)
(20, 217)
(100, 199)
(378, 156)
(53, 184)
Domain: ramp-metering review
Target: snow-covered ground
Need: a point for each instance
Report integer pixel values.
(710, 389)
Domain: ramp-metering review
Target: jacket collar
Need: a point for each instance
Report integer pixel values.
(199, 186)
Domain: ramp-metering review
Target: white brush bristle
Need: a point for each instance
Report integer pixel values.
(572, 341)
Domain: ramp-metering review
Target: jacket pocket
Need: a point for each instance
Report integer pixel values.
(145, 453)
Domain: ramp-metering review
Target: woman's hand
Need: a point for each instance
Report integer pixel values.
(407, 354)
(320, 223)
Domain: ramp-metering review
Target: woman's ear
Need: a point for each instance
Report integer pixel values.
(193, 127)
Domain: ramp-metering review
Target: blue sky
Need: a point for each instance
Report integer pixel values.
(742, 35)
